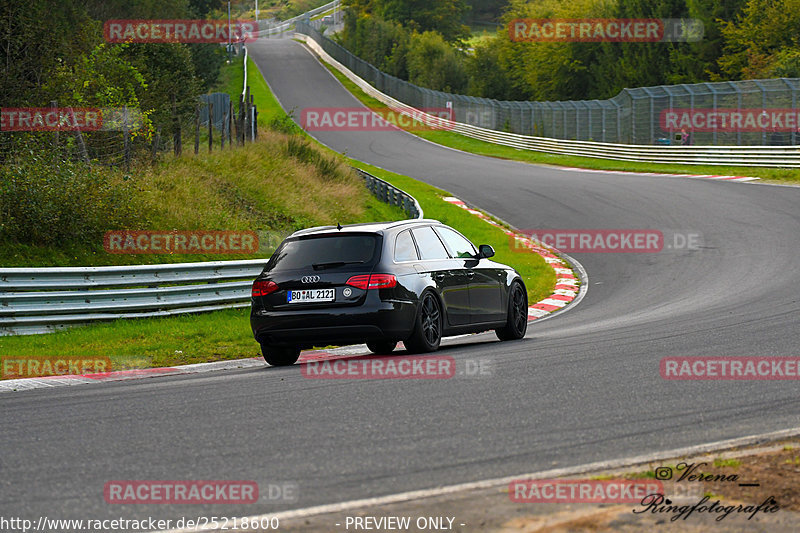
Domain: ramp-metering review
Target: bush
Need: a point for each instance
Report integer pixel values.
(283, 123)
(47, 199)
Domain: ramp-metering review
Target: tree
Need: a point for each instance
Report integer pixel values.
(698, 61)
(32, 49)
(432, 63)
(487, 75)
(443, 16)
(763, 40)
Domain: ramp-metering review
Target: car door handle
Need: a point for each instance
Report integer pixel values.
(470, 274)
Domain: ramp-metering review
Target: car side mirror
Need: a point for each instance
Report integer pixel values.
(485, 251)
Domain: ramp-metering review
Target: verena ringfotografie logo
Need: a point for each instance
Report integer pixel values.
(47, 366)
(179, 31)
(413, 367)
(360, 119)
(730, 368)
(582, 490)
(181, 242)
(180, 492)
(730, 120)
(69, 119)
(595, 30)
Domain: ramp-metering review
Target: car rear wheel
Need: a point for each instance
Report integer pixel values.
(517, 321)
(280, 355)
(381, 347)
(428, 327)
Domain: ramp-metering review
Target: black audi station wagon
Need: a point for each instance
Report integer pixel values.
(414, 281)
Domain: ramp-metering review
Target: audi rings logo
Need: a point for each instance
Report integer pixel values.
(310, 279)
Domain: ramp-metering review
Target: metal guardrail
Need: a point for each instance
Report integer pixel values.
(754, 156)
(288, 23)
(42, 300)
(388, 193)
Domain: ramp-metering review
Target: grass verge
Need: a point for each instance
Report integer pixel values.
(475, 146)
(147, 342)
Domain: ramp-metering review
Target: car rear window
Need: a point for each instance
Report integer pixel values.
(404, 249)
(326, 251)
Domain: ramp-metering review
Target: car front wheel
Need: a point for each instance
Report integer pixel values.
(280, 355)
(517, 318)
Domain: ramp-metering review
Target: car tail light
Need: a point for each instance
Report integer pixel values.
(373, 281)
(263, 288)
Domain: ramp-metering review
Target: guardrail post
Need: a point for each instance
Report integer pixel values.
(210, 126)
(246, 113)
(222, 130)
(240, 122)
(603, 122)
(126, 135)
(793, 136)
(231, 122)
(176, 129)
(196, 129)
(252, 108)
(255, 122)
(156, 141)
(794, 109)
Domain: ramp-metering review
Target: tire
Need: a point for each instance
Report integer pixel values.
(517, 318)
(427, 333)
(381, 347)
(280, 355)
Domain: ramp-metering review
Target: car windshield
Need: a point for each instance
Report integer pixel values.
(326, 252)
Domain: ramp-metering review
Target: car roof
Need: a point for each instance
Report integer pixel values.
(367, 227)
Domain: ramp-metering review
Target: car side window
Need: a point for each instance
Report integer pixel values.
(430, 247)
(404, 249)
(458, 245)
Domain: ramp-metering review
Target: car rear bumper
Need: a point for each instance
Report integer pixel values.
(390, 320)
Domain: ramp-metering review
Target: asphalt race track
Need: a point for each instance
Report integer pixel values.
(583, 386)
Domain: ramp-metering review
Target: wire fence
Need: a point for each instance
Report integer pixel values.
(123, 141)
(754, 112)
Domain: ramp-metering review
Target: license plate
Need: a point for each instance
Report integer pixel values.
(311, 295)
